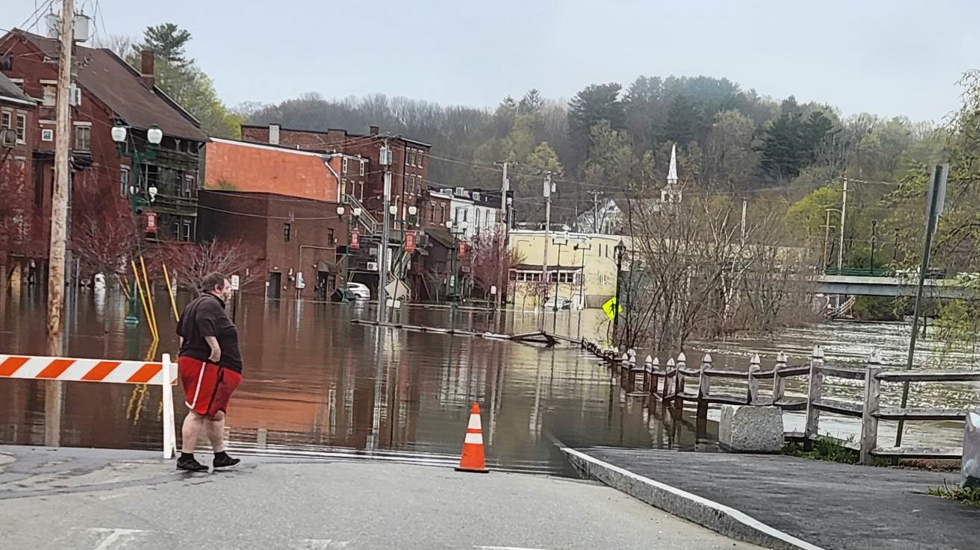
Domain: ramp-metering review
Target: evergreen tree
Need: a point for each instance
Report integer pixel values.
(168, 41)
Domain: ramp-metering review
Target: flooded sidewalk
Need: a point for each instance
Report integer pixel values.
(110, 500)
(792, 503)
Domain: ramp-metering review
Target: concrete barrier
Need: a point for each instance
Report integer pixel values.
(746, 429)
(971, 451)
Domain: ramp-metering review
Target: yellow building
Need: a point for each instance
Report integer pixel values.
(570, 255)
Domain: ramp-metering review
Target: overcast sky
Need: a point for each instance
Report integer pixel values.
(889, 57)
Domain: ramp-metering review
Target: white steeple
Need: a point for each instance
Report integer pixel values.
(671, 193)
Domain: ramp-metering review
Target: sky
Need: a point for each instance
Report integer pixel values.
(894, 57)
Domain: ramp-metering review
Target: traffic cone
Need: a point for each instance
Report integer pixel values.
(473, 459)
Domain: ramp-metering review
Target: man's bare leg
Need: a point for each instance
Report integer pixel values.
(215, 427)
(190, 431)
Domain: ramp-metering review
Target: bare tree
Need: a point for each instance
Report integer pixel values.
(189, 263)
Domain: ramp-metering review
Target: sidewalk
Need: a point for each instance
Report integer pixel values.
(786, 502)
(110, 500)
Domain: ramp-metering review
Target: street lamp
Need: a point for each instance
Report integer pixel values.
(154, 136)
(355, 214)
(559, 243)
(620, 252)
(456, 230)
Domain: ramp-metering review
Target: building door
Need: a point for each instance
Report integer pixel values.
(275, 286)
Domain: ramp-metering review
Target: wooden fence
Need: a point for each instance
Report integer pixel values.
(668, 385)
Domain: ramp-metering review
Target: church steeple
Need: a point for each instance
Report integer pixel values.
(671, 193)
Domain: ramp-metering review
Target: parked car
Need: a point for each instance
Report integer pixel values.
(359, 290)
(563, 303)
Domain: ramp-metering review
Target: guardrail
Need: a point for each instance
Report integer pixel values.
(668, 385)
(163, 374)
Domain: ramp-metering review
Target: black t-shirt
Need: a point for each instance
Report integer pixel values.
(206, 316)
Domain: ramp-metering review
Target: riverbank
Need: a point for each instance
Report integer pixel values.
(108, 500)
(792, 503)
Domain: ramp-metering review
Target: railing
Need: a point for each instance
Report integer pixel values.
(668, 385)
(860, 272)
(371, 225)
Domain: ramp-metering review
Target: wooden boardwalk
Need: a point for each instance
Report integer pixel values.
(539, 337)
(827, 505)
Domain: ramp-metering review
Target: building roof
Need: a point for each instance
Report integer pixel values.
(259, 168)
(346, 133)
(9, 91)
(118, 85)
(440, 236)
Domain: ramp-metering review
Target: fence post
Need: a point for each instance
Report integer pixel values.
(655, 383)
(649, 377)
(869, 419)
(778, 382)
(681, 364)
(704, 385)
(814, 393)
(670, 380)
(754, 368)
(169, 422)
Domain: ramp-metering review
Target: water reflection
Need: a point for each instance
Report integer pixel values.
(316, 381)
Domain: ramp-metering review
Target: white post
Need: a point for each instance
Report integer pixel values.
(169, 421)
(755, 365)
(814, 394)
(869, 412)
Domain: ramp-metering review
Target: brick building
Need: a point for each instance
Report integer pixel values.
(409, 167)
(106, 91)
(283, 202)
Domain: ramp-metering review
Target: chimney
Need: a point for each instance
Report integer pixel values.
(147, 74)
(274, 134)
(375, 130)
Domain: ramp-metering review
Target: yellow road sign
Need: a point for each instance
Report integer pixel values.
(610, 308)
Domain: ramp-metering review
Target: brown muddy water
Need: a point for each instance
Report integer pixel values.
(316, 384)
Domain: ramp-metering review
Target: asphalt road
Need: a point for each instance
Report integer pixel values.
(112, 500)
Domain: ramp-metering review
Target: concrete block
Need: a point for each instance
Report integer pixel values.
(747, 429)
(971, 451)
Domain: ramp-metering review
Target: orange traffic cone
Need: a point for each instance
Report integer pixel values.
(473, 459)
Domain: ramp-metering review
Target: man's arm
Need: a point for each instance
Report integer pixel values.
(215, 349)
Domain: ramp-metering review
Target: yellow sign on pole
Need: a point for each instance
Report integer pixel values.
(610, 308)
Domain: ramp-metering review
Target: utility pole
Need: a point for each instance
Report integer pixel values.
(843, 217)
(59, 218)
(936, 198)
(502, 279)
(547, 229)
(595, 210)
(826, 240)
(383, 249)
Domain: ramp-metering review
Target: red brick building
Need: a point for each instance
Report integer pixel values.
(300, 242)
(409, 167)
(106, 91)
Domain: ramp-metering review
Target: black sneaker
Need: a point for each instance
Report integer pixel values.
(224, 461)
(190, 464)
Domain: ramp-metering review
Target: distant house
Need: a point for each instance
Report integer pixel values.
(106, 92)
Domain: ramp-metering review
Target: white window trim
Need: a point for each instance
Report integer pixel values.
(82, 123)
(17, 118)
(47, 122)
(48, 82)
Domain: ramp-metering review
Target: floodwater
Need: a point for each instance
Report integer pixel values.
(316, 384)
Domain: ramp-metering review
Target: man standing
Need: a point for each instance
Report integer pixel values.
(210, 367)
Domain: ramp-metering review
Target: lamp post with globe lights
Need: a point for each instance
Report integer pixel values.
(351, 220)
(138, 199)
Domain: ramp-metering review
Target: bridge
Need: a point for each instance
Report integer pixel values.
(865, 282)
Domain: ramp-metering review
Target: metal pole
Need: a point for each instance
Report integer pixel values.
(939, 175)
(53, 396)
(554, 324)
(826, 241)
(619, 272)
(547, 229)
(383, 249)
(452, 281)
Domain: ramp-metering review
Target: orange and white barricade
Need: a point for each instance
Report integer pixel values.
(163, 374)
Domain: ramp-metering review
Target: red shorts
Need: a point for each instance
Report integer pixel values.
(207, 387)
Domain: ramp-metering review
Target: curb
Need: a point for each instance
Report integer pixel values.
(701, 511)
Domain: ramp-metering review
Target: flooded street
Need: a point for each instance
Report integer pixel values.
(317, 383)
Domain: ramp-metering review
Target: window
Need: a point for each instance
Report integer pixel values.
(418, 159)
(362, 168)
(189, 185)
(5, 120)
(343, 168)
(188, 232)
(432, 212)
(411, 157)
(21, 128)
(330, 237)
(124, 182)
(478, 218)
(49, 95)
(83, 138)
(442, 213)
(287, 230)
(20, 163)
